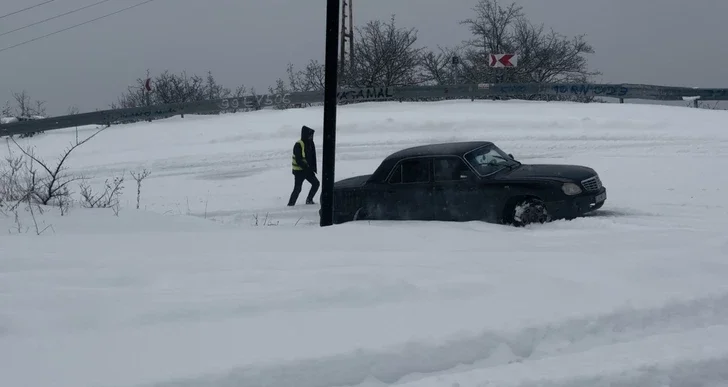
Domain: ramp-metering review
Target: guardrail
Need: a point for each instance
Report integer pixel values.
(470, 91)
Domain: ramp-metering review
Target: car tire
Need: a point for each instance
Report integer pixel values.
(529, 211)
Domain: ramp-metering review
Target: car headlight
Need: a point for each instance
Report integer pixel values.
(571, 189)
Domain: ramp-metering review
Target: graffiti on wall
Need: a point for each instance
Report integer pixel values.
(253, 101)
(585, 89)
(367, 93)
(144, 114)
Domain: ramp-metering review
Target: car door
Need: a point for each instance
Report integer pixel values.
(456, 196)
(409, 193)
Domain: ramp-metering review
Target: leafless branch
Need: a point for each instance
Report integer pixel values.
(108, 198)
(51, 186)
(38, 230)
(544, 56)
(138, 177)
(437, 67)
(385, 56)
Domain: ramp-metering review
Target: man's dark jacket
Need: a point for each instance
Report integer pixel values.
(310, 162)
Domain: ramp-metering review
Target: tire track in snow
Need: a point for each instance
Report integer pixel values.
(487, 349)
(356, 147)
(696, 357)
(705, 372)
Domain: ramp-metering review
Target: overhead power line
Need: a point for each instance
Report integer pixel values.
(77, 25)
(55, 17)
(25, 9)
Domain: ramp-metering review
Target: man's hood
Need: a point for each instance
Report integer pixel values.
(306, 132)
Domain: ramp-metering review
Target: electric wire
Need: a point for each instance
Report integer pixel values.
(25, 9)
(76, 25)
(55, 17)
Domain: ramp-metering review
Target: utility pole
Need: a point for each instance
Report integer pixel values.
(347, 34)
(330, 89)
(351, 36)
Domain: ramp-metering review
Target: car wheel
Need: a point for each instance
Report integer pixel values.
(529, 211)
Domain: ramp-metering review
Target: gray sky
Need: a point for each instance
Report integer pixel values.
(673, 42)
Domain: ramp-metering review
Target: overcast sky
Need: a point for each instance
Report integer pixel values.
(674, 42)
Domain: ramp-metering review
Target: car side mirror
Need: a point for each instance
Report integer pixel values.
(511, 156)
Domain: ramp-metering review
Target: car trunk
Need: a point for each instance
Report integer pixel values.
(352, 182)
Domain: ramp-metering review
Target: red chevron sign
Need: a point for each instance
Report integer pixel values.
(503, 60)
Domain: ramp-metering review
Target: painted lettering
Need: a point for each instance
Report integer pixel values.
(584, 89)
(147, 113)
(368, 93)
(251, 101)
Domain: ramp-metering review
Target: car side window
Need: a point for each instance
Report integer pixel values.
(450, 169)
(411, 171)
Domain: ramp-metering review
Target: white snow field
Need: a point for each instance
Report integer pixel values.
(192, 291)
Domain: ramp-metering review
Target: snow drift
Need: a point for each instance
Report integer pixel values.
(214, 282)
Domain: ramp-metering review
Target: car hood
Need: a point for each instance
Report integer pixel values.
(550, 171)
(352, 182)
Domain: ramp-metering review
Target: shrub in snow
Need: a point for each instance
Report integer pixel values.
(27, 179)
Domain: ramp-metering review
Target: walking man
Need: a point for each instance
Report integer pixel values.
(304, 166)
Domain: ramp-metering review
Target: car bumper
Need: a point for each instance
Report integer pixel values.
(577, 206)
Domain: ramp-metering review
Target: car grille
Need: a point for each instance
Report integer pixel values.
(592, 183)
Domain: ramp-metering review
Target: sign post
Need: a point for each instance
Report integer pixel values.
(147, 91)
(330, 89)
(455, 61)
(503, 61)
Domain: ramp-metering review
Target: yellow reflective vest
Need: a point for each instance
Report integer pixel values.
(295, 165)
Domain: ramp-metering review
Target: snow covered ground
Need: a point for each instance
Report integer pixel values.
(214, 282)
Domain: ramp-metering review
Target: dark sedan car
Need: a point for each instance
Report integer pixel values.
(465, 181)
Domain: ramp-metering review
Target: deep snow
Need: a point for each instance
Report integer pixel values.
(632, 295)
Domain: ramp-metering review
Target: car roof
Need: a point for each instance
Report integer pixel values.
(448, 148)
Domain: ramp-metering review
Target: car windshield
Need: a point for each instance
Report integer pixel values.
(490, 159)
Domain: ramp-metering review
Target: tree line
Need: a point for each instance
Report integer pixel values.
(387, 55)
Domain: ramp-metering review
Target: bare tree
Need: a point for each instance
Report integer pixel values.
(73, 110)
(50, 183)
(167, 88)
(214, 90)
(437, 67)
(544, 56)
(22, 103)
(280, 89)
(25, 107)
(7, 110)
(172, 88)
(311, 78)
(384, 56)
(135, 96)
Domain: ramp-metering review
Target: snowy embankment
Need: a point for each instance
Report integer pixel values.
(633, 295)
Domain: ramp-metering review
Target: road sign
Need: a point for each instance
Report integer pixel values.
(503, 60)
